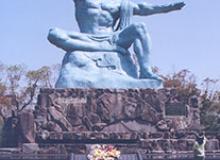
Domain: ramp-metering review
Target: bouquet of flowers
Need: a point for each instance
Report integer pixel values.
(103, 152)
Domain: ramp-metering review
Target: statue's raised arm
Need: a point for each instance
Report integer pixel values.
(145, 9)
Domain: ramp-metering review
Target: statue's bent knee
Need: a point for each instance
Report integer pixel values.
(58, 37)
(56, 34)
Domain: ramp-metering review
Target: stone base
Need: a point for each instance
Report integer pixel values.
(136, 118)
(69, 121)
(102, 70)
(113, 111)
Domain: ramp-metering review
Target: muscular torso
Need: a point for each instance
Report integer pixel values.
(97, 16)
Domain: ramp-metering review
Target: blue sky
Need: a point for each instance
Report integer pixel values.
(189, 39)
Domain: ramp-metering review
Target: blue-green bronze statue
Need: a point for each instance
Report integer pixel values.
(100, 55)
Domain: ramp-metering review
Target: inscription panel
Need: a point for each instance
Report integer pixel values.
(175, 109)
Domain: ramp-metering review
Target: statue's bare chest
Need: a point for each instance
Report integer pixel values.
(97, 12)
(101, 6)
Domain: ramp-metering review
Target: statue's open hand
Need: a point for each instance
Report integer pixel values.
(179, 5)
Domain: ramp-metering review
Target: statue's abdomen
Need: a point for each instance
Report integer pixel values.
(99, 21)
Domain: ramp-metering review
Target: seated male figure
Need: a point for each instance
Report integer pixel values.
(105, 27)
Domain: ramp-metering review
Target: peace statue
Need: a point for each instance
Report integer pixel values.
(100, 55)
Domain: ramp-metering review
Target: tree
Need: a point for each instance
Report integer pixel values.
(210, 105)
(19, 88)
(23, 84)
(2, 85)
(185, 83)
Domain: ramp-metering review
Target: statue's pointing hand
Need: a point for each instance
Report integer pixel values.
(178, 5)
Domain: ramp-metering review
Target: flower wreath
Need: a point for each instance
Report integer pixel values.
(103, 152)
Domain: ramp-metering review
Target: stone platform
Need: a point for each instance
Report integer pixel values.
(150, 122)
(144, 120)
(115, 111)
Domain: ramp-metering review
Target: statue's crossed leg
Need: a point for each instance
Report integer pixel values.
(119, 41)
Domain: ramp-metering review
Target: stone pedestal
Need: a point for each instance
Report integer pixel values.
(132, 119)
(154, 123)
(110, 111)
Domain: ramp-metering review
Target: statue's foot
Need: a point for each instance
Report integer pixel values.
(149, 75)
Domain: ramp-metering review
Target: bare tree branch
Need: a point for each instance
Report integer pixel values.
(32, 94)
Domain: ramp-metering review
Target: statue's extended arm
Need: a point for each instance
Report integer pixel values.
(145, 9)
